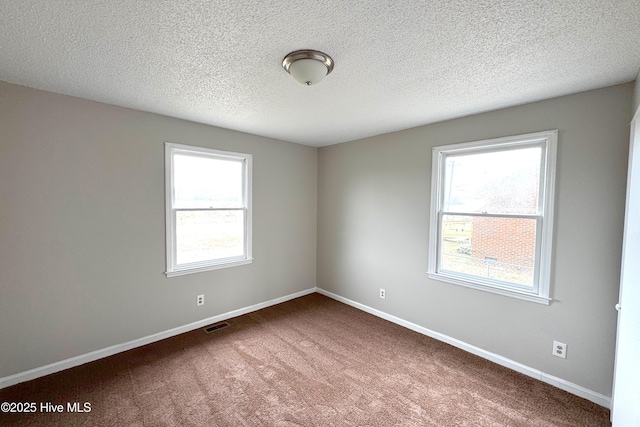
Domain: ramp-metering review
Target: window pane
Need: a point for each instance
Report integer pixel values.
(504, 182)
(496, 248)
(205, 182)
(209, 235)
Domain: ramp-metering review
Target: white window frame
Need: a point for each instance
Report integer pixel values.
(544, 216)
(173, 269)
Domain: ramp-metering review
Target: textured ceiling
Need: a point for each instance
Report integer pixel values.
(399, 63)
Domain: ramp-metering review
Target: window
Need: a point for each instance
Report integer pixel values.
(208, 209)
(492, 215)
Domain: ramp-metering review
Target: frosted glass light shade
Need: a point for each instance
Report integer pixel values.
(308, 67)
(308, 71)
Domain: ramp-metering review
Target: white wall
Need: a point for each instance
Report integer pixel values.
(636, 92)
(83, 235)
(373, 199)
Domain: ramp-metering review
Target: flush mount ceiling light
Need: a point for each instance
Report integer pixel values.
(308, 66)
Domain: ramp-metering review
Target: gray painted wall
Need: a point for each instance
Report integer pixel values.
(373, 201)
(83, 234)
(82, 230)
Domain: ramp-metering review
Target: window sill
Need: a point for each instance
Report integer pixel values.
(199, 269)
(494, 290)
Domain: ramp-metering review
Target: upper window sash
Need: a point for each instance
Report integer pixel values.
(447, 166)
(185, 162)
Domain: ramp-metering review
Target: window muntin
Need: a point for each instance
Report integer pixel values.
(208, 209)
(492, 214)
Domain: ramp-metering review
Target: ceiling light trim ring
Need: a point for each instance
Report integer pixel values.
(307, 54)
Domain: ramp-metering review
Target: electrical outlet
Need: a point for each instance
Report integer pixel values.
(200, 300)
(383, 293)
(559, 349)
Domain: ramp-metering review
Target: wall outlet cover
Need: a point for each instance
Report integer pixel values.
(559, 349)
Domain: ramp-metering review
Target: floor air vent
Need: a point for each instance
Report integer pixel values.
(215, 327)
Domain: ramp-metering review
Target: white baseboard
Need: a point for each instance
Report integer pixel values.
(114, 349)
(570, 387)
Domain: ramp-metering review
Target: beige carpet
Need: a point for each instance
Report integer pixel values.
(308, 362)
